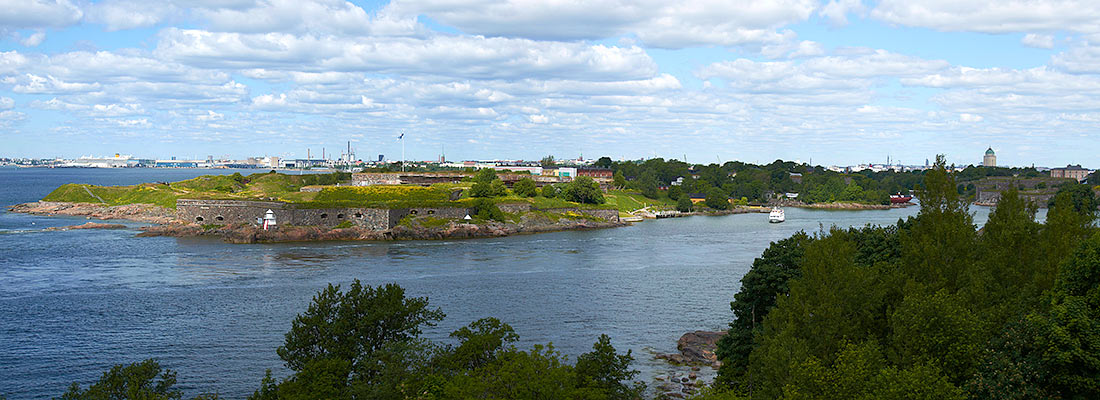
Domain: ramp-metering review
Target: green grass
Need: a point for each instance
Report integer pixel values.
(209, 187)
(630, 201)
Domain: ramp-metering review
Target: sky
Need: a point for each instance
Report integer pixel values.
(829, 82)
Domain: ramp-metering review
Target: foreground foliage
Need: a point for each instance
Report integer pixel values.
(927, 308)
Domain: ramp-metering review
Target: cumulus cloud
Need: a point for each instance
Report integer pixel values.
(18, 14)
(992, 16)
(464, 56)
(1039, 41)
(34, 39)
(665, 24)
(129, 14)
(6, 103)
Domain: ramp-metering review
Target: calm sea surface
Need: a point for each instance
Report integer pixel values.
(74, 303)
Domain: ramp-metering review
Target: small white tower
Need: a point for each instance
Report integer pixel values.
(269, 220)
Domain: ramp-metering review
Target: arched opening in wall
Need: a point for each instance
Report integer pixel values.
(198, 219)
(219, 218)
(358, 215)
(430, 212)
(412, 212)
(339, 216)
(323, 216)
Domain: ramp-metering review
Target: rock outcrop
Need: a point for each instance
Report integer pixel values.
(88, 225)
(134, 212)
(696, 348)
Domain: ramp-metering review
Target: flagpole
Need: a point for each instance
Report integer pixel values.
(402, 151)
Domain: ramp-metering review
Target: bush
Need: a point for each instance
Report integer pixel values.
(525, 187)
(550, 191)
(486, 209)
(493, 188)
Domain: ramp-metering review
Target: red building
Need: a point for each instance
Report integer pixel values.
(596, 173)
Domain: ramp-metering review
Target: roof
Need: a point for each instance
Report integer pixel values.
(1071, 168)
(989, 151)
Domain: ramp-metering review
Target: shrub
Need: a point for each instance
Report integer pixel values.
(525, 187)
(684, 204)
(486, 209)
(550, 191)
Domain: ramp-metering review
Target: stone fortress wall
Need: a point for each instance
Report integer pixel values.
(232, 212)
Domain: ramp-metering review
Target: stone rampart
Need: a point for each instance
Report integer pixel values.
(514, 208)
(225, 212)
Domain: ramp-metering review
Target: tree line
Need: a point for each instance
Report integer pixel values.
(927, 308)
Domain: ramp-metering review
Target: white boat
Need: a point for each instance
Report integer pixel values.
(776, 215)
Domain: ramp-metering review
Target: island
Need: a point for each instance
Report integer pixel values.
(274, 207)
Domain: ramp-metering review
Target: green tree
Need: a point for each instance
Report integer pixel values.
(684, 204)
(140, 380)
(486, 210)
(479, 344)
(602, 372)
(604, 162)
(550, 191)
(493, 188)
(525, 187)
(647, 184)
(335, 346)
(540, 373)
(717, 199)
(618, 180)
(583, 190)
(548, 161)
(675, 192)
(485, 175)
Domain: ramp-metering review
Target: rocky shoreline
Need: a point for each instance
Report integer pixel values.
(687, 372)
(147, 213)
(253, 234)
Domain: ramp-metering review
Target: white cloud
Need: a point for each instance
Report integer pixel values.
(37, 14)
(129, 14)
(6, 103)
(34, 84)
(1039, 41)
(665, 24)
(837, 10)
(210, 116)
(34, 39)
(970, 118)
(463, 56)
(992, 16)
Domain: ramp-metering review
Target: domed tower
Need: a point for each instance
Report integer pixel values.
(990, 159)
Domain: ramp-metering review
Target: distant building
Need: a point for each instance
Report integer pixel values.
(990, 159)
(796, 177)
(595, 172)
(1070, 171)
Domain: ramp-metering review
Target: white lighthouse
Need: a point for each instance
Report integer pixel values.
(269, 220)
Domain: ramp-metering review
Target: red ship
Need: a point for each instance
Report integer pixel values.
(900, 198)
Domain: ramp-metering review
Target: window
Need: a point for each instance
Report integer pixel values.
(430, 212)
(412, 212)
(340, 216)
(198, 219)
(323, 216)
(219, 218)
(358, 215)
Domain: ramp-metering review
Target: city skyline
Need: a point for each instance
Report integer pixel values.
(838, 82)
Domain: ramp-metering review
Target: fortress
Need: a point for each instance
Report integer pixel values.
(234, 212)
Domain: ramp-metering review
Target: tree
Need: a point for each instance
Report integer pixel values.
(487, 184)
(602, 371)
(684, 204)
(140, 380)
(675, 192)
(485, 209)
(333, 347)
(717, 199)
(548, 161)
(618, 180)
(550, 191)
(647, 184)
(583, 190)
(479, 344)
(604, 162)
(525, 187)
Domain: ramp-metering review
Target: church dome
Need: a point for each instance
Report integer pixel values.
(989, 152)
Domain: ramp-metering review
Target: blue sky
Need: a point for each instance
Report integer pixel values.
(834, 81)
